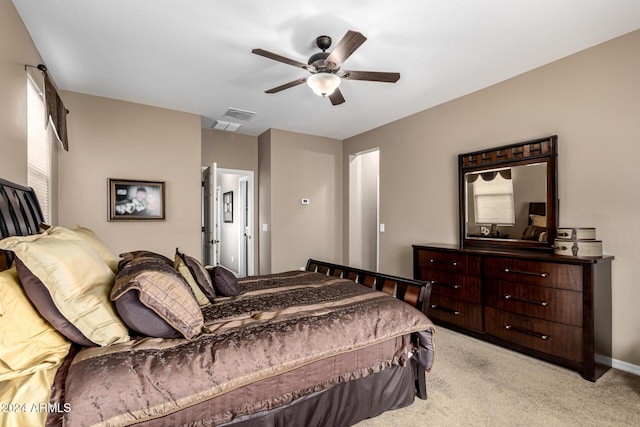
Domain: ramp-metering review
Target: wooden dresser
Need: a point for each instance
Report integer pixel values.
(556, 308)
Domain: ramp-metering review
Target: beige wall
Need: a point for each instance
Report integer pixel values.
(116, 139)
(264, 203)
(301, 166)
(229, 150)
(590, 100)
(16, 49)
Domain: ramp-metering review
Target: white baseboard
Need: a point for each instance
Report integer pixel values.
(618, 364)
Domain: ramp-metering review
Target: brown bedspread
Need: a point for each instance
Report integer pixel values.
(278, 324)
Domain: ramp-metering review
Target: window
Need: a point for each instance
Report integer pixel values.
(39, 148)
(494, 201)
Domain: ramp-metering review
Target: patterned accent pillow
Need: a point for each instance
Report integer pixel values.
(224, 281)
(532, 232)
(74, 282)
(127, 257)
(155, 300)
(197, 277)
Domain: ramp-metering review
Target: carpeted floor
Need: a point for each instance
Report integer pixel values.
(474, 383)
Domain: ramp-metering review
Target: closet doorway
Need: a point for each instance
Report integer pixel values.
(364, 209)
(227, 219)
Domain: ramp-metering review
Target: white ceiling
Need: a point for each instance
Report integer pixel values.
(195, 55)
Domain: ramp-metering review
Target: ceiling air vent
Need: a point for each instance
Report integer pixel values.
(228, 126)
(239, 114)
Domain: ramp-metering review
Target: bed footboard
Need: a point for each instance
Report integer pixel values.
(414, 292)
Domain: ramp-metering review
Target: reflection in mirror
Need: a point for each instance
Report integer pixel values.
(508, 196)
(507, 203)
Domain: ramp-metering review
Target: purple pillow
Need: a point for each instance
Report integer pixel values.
(224, 281)
(141, 318)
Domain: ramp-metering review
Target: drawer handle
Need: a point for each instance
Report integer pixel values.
(528, 301)
(435, 261)
(445, 309)
(528, 273)
(527, 332)
(446, 285)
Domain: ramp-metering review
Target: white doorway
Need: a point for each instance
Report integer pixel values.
(230, 213)
(364, 209)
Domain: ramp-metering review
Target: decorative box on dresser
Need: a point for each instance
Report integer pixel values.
(556, 308)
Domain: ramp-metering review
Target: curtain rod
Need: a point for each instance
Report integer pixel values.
(40, 67)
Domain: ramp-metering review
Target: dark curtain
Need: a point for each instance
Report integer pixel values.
(488, 176)
(56, 110)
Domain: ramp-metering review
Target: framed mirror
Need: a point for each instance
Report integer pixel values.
(508, 196)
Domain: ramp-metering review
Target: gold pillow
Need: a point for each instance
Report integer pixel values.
(538, 220)
(92, 239)
(196, 276)
(28, 343)
(21, 399)
(98, 245)
(77, 279)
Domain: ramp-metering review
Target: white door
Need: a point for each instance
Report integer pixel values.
(210, 226)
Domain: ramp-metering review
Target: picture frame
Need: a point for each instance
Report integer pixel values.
(227, 206)
(135, 200)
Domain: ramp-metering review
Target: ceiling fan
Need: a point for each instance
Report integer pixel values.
(325, 66)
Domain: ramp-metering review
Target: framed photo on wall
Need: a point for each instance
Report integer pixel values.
(227, 206)
(133, 200)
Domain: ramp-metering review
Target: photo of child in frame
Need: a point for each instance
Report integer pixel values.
(136, 200)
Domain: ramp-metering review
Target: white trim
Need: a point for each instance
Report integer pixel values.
(618, 364)
(378, 219)
(249, 262)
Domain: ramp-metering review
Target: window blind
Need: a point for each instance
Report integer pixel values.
(494, 201)
(38, 148)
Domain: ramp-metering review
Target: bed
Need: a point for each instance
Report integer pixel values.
(536, 222)
(328, 346)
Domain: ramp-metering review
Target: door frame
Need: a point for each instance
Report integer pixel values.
(248, 176)
(246, 257)
(359, 255)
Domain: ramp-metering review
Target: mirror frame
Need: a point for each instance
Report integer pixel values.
(543, 150)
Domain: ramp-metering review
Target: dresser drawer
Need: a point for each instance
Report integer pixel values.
(449, 261)
(454, 285)
(548, 337)
(564, 276)
(556, 305)
(457, 312)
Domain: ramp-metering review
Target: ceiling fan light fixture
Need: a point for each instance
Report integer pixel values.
(323, 83)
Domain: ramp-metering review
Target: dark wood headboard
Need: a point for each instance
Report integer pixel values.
(537, 208)
(20, 214)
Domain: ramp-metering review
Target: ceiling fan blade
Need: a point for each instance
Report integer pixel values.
(280, 58)
(345, 47)
(286, 85)
(373, 76)
(336, 97)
